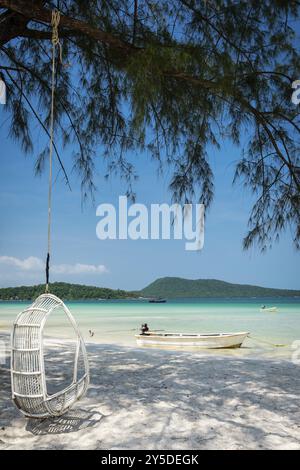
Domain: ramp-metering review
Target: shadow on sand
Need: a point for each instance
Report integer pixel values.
(154, 399)
(72, 421)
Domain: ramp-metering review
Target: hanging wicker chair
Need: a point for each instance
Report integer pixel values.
(28, 378)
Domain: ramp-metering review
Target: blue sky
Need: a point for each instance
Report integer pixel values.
(126, 264)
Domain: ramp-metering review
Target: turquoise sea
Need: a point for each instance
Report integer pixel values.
(115, 322)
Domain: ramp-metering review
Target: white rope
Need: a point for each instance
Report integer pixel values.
(258, 340)
(55, 42)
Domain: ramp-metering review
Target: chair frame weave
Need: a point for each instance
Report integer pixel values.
(28, 378)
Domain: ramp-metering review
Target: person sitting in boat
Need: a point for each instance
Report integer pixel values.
(144, 329)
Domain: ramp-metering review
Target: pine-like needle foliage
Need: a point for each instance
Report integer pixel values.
(172, 77)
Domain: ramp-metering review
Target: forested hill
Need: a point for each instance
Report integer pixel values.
(175, 287)
(167, 287)
(65, 291)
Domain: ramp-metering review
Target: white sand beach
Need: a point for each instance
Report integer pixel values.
(152, 399)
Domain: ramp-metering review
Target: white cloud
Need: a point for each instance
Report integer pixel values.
(27, 264)
(78, 268)
(36, 265)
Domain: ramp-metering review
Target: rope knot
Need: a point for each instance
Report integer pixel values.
(54, 23)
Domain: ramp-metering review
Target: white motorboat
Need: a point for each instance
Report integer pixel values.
(201, 341)
(268, 309)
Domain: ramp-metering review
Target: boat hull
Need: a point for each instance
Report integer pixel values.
(270, 309)
(215, 341)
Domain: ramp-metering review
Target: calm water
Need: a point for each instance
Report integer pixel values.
(116, 321)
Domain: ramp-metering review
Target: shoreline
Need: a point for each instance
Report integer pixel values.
(252, 299)
(251, 348)
(162, 399)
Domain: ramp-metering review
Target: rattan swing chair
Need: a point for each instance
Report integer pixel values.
(28, 378)
(28, 375)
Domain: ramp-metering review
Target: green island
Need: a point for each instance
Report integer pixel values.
(167, 287)
(65, 291)
(176, 287)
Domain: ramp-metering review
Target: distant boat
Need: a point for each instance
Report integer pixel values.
(209, 341)
(157, 301)
(268, 309)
